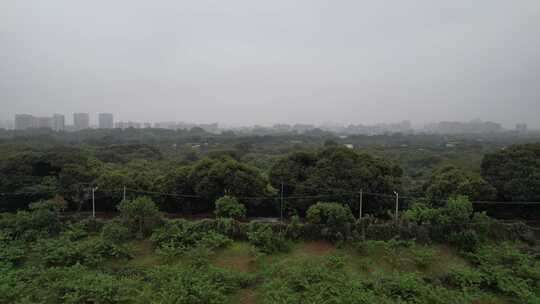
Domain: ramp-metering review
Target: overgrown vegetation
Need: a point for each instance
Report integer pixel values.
(59, 259)
(440, 249)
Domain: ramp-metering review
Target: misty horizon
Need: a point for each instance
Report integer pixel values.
(244, 63)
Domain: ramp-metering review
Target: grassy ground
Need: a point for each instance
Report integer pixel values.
(369, 263)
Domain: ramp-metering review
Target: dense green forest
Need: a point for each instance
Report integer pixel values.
(148, 245)
(185, 171)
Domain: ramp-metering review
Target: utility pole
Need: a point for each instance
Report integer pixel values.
(397, 204)
(360, 207)
(94, 202)
(281, 203)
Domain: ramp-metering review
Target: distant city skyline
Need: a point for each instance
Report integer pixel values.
(94, 121)
(81, 121)
(118, 117)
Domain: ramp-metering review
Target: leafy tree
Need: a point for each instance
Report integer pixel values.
(214, 178)
(420, 213)
(229, 207)
(177, 180)
(111, 178)
(42, 220)
(514, 172)
(138, 210)
(75, 180)
(124, 153)
(335, 219)
(451, 181)
(20, 178)
(337, 171)
(329, 214)
(292, 171)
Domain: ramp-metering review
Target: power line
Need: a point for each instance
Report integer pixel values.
(338, 193)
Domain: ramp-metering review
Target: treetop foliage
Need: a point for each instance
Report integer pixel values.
(514, 172)
(229, 207)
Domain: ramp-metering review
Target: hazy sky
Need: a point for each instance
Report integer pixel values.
(263, 62)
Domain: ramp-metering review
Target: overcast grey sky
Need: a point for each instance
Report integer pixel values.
(263, 62)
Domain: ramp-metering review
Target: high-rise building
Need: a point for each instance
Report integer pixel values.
(24, 121)
(106, 121)
(81, 121)
(42, 123)
(58, 122)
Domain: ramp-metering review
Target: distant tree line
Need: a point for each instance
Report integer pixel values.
(191, 181)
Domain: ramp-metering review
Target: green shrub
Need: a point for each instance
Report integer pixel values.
(225, 226)
(91, 224)
(508, 271)
(178, 236)
(410, 288)
(315, 283)
(214, 240)
(482, 225)
(336, 261)
(229, 207)
(333, 219)
(465, 277)
(333, 215)
(423, 257)
(116, 232)
(138, 211)
(192, 284)
(11, 252)
(75, 284)
(467, 240)
(63, 251)
(420, 213)
(294, 228)
(265, 239)
(42, 220)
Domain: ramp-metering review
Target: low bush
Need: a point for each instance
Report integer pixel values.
(213, 240)
(420, 213)
(334, 220)
(262, 236)
(229, 207)
(411, 288)
(333, 215)
(294, 228)
(92, 225)
(315, 283)
(66, 251)
(142, 212)
(423, 257)
(11, 252)
(466, 240)
(42, 220)
(508, 271)
(177, 236)
(201, 284)
(465, 278)
(75, 284)
(115, 231)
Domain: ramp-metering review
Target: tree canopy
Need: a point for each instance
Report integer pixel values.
(337, 172)
(514, 172)
(450, 181)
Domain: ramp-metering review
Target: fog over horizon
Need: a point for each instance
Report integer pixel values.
(243, 62)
